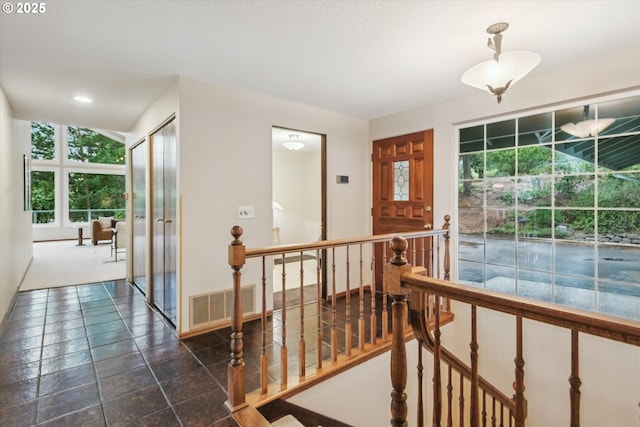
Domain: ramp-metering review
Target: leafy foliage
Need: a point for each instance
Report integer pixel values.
(100, 194)
(42, 141)
(86, 145)
(43, 196)
(95, 191)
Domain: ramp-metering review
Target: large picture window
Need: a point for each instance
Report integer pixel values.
(549, 206)
(92, 195)
(86, 181)
(43, 200)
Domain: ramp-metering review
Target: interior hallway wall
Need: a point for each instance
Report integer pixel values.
(225, 162)
(16, 235)
(224, 155)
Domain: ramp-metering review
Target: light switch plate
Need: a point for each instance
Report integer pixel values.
(245, 212)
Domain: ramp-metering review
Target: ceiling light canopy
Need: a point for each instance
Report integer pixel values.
(586, 127)
(293, 143)
(497, 75)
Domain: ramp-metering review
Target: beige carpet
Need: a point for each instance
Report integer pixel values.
(62, 263)
(287, 421)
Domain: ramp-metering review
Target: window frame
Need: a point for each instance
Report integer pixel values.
(464, 261)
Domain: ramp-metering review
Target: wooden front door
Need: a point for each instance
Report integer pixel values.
(402, 187)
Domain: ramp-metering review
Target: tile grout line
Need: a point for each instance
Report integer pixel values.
(146, 361)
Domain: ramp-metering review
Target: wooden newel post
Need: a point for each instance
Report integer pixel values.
(236, 367)
(447, 262)
(392, 273)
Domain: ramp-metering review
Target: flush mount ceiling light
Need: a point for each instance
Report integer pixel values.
(497, 75)
(83, 99)
(587, 127)
(293, 143)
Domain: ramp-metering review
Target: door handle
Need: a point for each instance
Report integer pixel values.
(168, 221)
(427, 208)
(159, 219)
(427, 227)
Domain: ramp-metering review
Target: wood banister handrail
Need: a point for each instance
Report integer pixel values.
(422, 331)
(424, 313)
(597, 324)
(328, 244)
(328, 253)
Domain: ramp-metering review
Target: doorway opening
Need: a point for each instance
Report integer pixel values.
(299, 198)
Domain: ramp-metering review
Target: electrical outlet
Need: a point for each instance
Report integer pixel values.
(245, 212)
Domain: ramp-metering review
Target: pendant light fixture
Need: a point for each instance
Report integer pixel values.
(293, 143)
(497, 75)
(586, 127)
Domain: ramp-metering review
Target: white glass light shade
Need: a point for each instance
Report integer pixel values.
(586, 128)
(496, 77)
(293, 145)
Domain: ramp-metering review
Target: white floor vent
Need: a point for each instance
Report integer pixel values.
(215, 307)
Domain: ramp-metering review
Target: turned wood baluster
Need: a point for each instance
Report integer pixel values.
(334, 329)
(264, 362)
(361, 321)
(447, 262)
(493, 413)
(420, 368)
(391, 282)
(319, 311)
(474, 415)
(449, 399)
(284, 357)
(519, 371)
(236, 367)
(398, 363)
(461, 402)
(302, 346)
(437, 385)
(413, 243)
(385, 312)
(575, 381)
(374, 317)
(484, 408)
(347, 326)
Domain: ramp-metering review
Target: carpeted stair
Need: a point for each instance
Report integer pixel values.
(281, 413)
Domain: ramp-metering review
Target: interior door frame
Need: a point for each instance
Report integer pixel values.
(323, 197)
(414, 213)
(151, 297)
(131, 213)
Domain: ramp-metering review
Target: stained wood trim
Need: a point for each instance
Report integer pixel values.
(597, 324)
(327, 244)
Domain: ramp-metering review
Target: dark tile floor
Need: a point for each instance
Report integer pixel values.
(98, 355)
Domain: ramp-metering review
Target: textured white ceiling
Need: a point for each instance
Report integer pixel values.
(364, 58)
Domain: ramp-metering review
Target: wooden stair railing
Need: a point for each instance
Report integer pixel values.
(487, 405)
(320, 326)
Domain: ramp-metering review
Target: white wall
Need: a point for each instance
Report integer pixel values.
(603, 403)
(297, 187)
(610, 374)
(225, 139)
(224, 146)
(16, 249)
